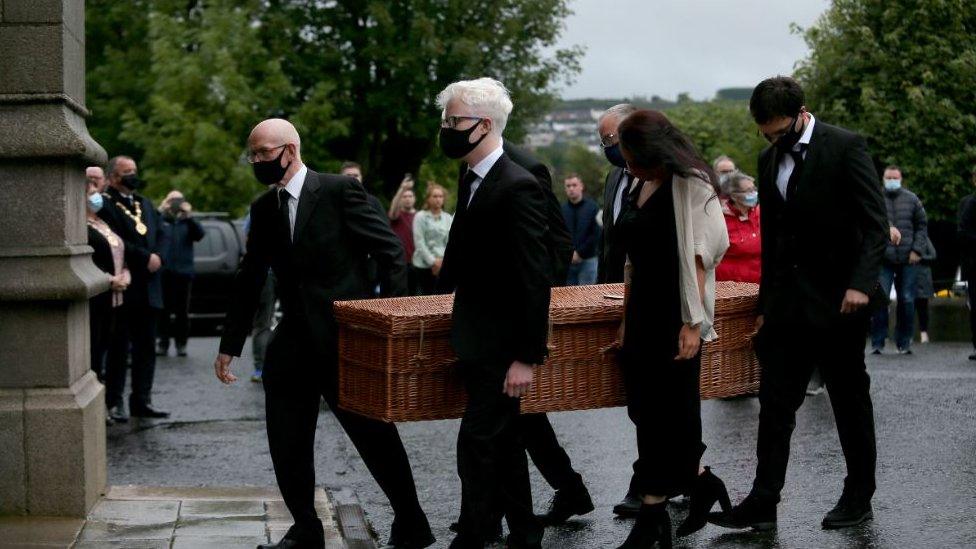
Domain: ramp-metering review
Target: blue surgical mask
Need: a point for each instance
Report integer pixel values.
(892, 184)
(95, 202)
(750, 199)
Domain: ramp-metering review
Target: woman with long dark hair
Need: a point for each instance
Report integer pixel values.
(674, 234)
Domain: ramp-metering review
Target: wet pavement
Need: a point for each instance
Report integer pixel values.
(925, 408)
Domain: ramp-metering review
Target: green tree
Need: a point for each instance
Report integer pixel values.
(211, 81)
(118, 62)
(720, 127)
(901, 74)
(564, 159)
(389, 58)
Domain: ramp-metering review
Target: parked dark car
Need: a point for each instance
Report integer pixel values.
(215, 260)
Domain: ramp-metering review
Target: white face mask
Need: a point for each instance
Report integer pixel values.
(892, 184)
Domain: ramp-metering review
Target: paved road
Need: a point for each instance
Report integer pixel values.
(925, 407)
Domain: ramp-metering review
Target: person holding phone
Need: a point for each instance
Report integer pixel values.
(183, 231)
(401, 214)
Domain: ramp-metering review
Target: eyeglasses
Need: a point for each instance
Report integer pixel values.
(608, 140)
(262, 154)
(772, 137)
(453, 121)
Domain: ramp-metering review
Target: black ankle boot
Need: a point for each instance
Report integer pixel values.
(653, 526)
(707, 490)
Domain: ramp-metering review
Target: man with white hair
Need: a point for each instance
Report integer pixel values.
(615, 191)
(496, 262)
(314, 232)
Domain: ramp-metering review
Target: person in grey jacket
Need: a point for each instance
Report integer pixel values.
(901, 261)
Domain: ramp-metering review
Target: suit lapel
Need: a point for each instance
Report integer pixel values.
(487, 185)
(306, 202)
(813, 158)
(772, 173)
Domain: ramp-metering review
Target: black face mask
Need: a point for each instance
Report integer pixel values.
(270, 172)
(614, 156)
(455, 143)
(131, 182)
(787, 140)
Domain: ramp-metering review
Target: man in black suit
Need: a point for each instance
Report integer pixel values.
(497, 263)
(314, 231)
(134, 218)
(612, 257)
(615, 191)
(967, 255)
(818, 272)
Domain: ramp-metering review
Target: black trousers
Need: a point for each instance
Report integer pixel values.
(135, 331)
(971, 292)
(174, 319)
(664, 402)
(101, 323)
(426, 282)
(547, 454)
(788, 353)
(922, 310)
(491, 460)
(296, 380)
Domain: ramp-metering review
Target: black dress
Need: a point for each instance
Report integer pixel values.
(100, 313)
(663, 398)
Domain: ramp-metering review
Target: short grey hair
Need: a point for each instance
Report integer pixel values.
(114, 161)
(620, 110)
(737, 177)
(488, 97)
(720, 159)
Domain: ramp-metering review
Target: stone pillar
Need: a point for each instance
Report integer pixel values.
(52, 411)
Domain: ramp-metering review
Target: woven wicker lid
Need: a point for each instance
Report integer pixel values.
(569, 305)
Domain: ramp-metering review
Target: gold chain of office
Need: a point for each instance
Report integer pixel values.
(136, 217)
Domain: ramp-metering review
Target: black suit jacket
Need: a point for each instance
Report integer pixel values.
(336, 227)
(497, 263)
(146, 289)
(559, 243)
(830, 237)
(966, 231)
(612, 257)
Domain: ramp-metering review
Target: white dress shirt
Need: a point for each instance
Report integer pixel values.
(786, 163)
(294, 190)
(482, 168)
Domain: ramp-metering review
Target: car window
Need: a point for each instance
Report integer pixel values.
(212, 244)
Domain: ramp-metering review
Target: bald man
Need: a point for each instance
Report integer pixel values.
(315, 232)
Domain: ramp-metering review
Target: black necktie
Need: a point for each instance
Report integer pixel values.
(465, 191)
(283, 197)
(794, 179)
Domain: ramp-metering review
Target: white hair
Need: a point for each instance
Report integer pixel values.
(620, 111)
(487, 96)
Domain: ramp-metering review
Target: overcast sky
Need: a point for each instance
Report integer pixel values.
(665, 47)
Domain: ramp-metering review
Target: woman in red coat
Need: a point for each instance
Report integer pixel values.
(742, 261)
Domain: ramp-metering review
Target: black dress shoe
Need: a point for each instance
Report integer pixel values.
(751, 513)
(628, 507)
(494, 536)
(117, 415)
(181, 350)
(162, 350)
(400, 539)
(566, 503)
(148, 412)
(972, 356)
(707, 490)
(653, 526)
(288, 543)
(849, 511)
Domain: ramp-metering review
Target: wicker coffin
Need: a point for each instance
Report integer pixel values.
(396, 364)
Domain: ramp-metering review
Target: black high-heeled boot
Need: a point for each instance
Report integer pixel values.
(707, 490)
(653, 526)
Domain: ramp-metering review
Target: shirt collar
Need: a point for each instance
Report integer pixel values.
(295, 184)
(807, 134)
(482, 168)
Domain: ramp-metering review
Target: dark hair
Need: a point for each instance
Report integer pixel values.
(350, 164)
(892, 167)
(573, 175)
(650, 138)
(775, 97)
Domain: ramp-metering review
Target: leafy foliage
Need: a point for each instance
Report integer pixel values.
(902, 74)
(179, 83)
